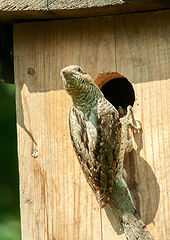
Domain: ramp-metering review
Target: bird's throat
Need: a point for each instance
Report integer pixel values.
(85, 97)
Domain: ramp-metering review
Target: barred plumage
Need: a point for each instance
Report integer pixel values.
(100, 140)
(95, 131)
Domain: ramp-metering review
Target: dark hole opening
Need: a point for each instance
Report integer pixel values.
(119, 92)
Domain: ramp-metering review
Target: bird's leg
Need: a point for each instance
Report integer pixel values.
(128, 124)
(126, 142)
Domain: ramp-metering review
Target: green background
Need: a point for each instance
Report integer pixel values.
(9, 186)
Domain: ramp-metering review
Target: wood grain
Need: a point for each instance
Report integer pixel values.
(143, 56)
(56, 201)
(57, 9)
(22, 5)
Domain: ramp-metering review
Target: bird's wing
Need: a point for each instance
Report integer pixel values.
(96, 140)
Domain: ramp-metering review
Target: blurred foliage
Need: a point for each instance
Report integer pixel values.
(6, 52)
(9, 186)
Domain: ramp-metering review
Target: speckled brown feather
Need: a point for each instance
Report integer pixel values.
(96, 139)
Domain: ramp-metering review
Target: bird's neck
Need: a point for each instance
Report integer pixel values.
(86, 96)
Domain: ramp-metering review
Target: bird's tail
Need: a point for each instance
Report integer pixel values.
(122, 202)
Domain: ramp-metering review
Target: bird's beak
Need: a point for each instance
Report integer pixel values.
(66, 74)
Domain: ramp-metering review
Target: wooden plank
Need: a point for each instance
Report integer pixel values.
(78, 4)
(56, 201)
(23, 5)
(143, 56)
(56, 9)
(24, 9)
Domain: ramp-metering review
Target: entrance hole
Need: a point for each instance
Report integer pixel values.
(116, 89)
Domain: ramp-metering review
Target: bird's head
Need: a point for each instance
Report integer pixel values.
(74, 77)
(81, 87)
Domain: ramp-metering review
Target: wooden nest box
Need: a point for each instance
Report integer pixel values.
(129, 38)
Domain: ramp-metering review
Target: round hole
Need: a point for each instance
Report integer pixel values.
(116, 89)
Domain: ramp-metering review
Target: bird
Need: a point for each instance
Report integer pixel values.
(100, 138)
(95, 130)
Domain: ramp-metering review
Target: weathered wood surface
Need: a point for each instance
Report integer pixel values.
(143, 56)
(42, 9)
(56, 201)
(23, 5)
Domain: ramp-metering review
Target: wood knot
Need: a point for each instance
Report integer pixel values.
(31, 71)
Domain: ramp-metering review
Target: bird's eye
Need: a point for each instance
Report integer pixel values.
(79, 70)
